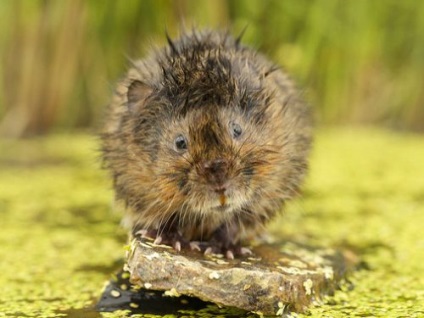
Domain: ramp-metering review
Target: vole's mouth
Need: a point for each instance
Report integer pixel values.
(220, 202)
(223, 202)
(224, 207)
(222, 199)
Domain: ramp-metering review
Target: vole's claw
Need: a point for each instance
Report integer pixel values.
(236, 250)
(245, 251)
(173, 239)
(229, 254)
(194, 246)
(208, 250)
(157, 240)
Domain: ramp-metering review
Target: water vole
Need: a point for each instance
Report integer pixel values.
(206, 139)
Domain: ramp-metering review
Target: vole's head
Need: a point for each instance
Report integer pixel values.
(205, 127)
(208, 154)
(205, 133)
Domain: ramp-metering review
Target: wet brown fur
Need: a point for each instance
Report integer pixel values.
(197, 87)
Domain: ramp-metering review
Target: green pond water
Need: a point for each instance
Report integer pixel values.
(60, 239)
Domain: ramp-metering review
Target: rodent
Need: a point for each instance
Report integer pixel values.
(206, 140)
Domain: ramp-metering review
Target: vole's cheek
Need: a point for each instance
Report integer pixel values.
(182, 183)
(182, 180)
(183, 186)
(248, 173)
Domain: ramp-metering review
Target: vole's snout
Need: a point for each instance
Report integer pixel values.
(216, 173)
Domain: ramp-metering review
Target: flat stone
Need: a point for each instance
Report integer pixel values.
(278, 278)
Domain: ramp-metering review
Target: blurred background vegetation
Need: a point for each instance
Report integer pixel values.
(361, 62)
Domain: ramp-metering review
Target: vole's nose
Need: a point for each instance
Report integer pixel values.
(215, 172)
(216, 165)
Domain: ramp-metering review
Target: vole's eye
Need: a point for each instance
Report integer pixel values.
(235, 129)
(180, 143)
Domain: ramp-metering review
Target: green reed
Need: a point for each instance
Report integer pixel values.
(359, 61)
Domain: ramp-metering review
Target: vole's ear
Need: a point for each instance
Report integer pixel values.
(137, 94)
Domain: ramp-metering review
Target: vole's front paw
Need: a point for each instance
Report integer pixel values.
(178, 242)
(229, 250)
(170, 238)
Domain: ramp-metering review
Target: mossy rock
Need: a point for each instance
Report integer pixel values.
(278, 278)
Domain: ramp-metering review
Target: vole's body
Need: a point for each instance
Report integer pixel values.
(206, 140)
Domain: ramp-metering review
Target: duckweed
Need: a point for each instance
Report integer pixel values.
(60, 237)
